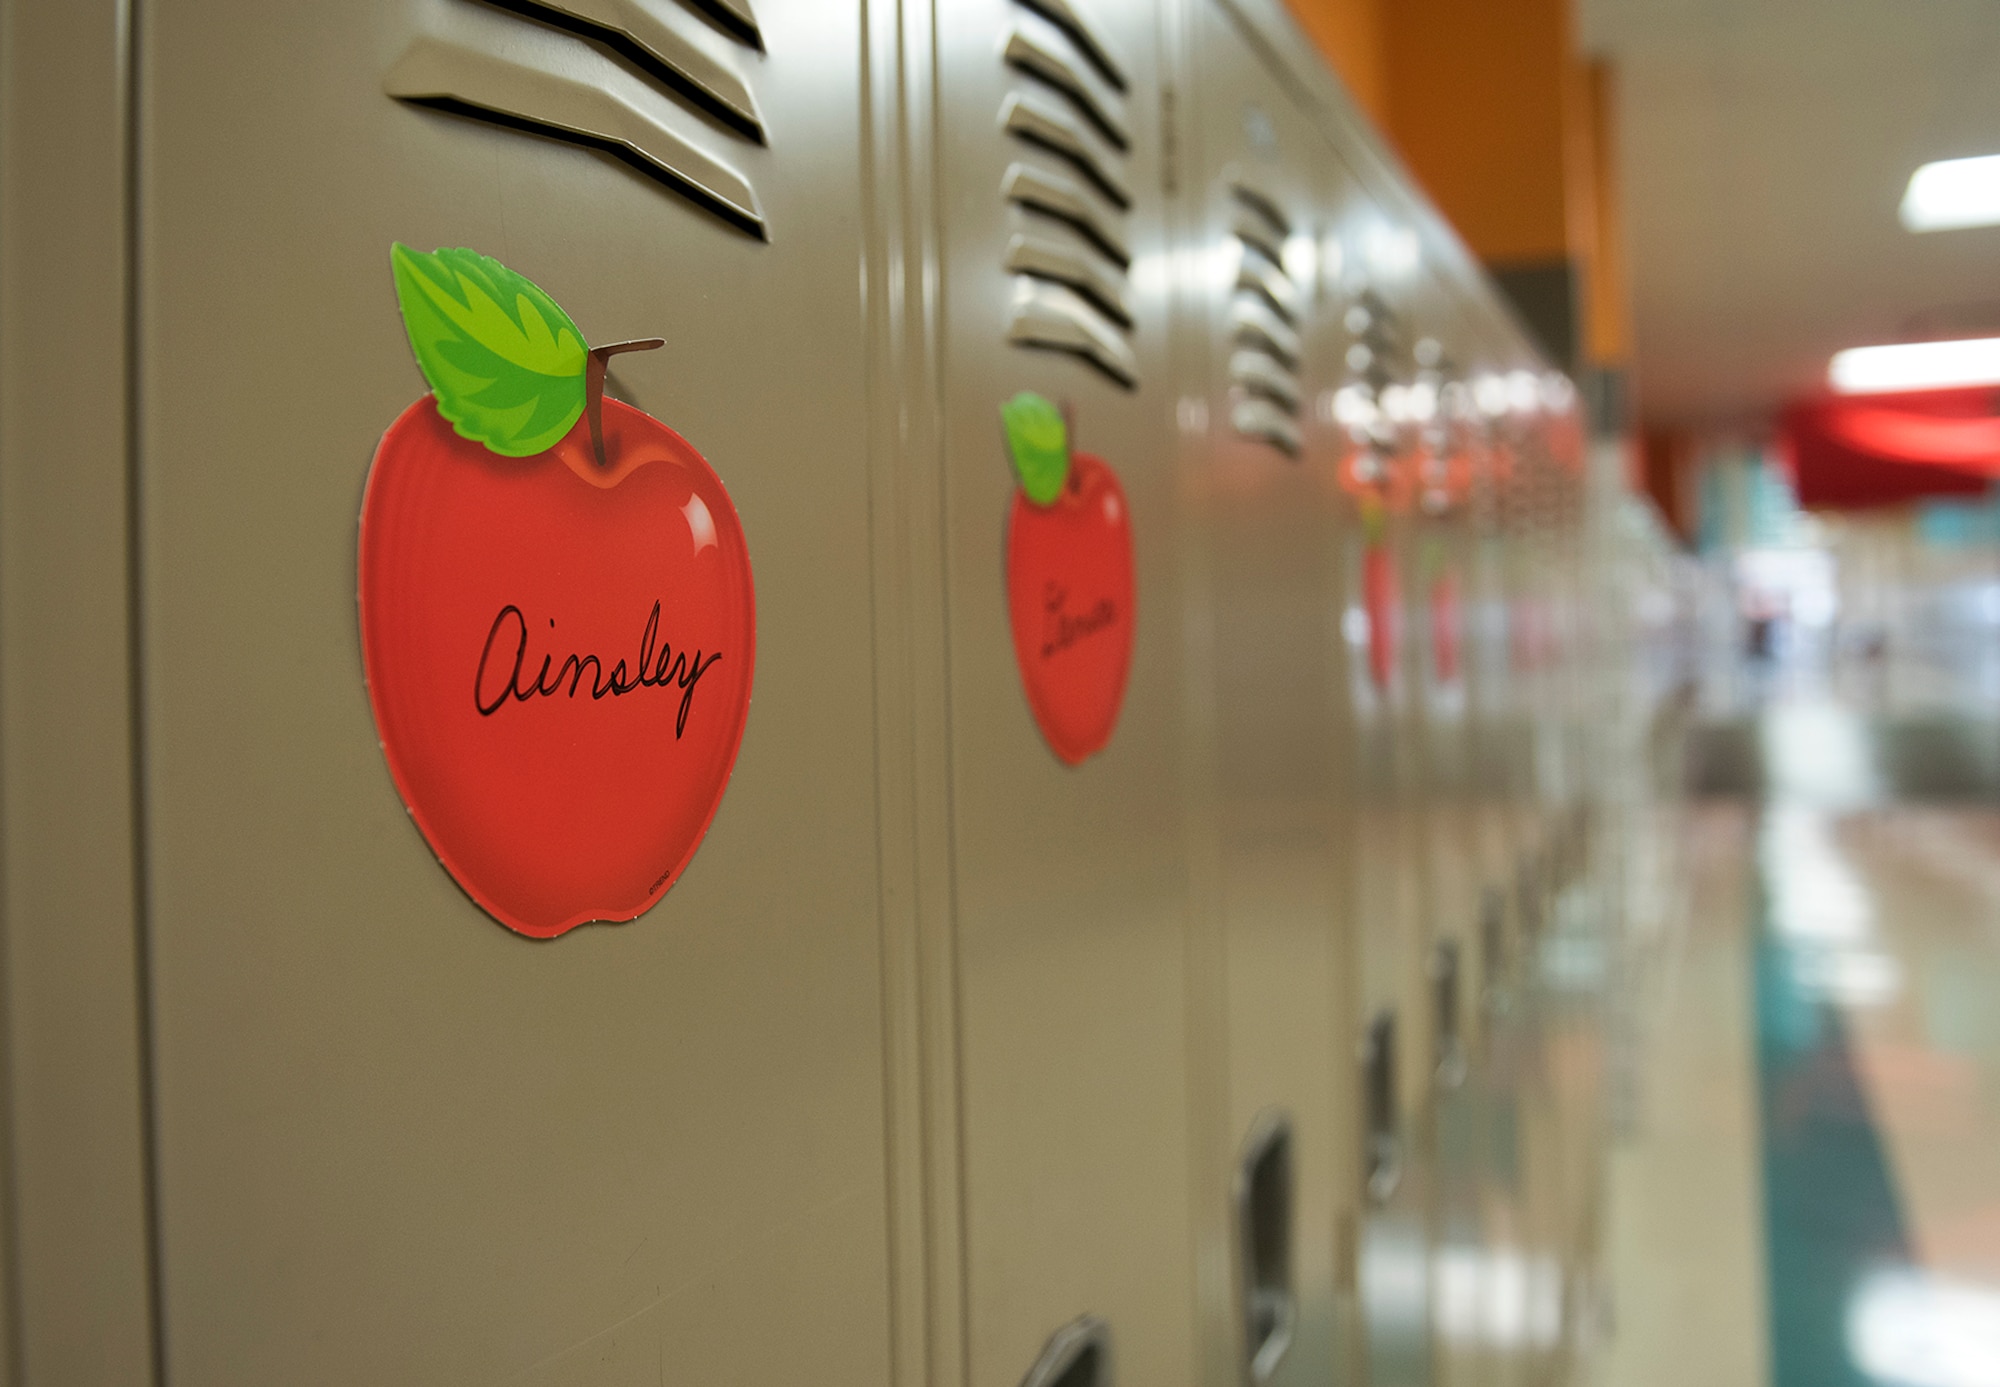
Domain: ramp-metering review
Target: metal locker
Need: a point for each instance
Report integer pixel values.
(394, 1141)
(1381, 626)
(1450, 859)
(1069, 898)
(1258, 185)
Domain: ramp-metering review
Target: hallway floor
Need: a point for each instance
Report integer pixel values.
(1807, 1189)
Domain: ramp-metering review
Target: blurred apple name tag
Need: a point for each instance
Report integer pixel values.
(1070, 583)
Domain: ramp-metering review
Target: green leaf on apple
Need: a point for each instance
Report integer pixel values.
(1038, 444)
(505, 362)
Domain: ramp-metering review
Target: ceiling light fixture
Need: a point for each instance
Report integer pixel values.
(1953, 193)
(1916, 366)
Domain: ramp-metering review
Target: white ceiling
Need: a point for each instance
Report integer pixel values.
(1766, 144)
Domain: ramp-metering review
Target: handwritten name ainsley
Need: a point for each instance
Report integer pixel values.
(660, 666)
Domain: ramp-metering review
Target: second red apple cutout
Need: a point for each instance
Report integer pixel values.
(1071, 594)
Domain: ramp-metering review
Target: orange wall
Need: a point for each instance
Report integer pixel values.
(1479, 92)
(1507, 128)
(1349, 33)
(1608, 334)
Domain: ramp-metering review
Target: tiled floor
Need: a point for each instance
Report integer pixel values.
(1808, 1194)
(1685, 1247)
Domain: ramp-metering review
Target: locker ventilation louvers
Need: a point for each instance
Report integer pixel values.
(1070, 260)
(1264, 311)
(678, 51)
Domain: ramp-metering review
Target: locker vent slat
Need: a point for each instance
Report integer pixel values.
(1041, 259)
(1264, 312)
(1261, 374)
(1053, 318)
(1265, 422)
(1252, 322)
(1265, 278)
(1037, 51)
(669, 54)
(1070, 258)
(1066, 17)
(1066, 200)
(733, 17)
(1036, 122)
(649, 43)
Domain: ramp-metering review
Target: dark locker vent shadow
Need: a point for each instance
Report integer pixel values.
(667, 61)
(1043, 62)
(734, 17)
(1069, 260)
(1065, 17)
(1087, 356)
(465, 80)
(1264, 316)
(1037, 124)
(646, 167)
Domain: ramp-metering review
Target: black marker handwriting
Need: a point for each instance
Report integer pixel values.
(1062, 629)
(660, 666)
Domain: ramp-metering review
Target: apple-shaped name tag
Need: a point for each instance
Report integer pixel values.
(1070, 590)
(1446, 622)
(557, 619)
(1381, 595)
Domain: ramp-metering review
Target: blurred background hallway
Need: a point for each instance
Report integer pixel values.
(1805, 1188)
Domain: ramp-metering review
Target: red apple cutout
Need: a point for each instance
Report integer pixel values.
(1446, 635)
(557, 616)
(1380, 593)
(1070, 586)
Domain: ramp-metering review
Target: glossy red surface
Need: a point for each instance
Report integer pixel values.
(1070, 597)
(1859, 452)
(559, 658)
(1381, 592)
(1445, 626)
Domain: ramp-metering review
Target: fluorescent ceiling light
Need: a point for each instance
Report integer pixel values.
(1916, 366)
(1953, 193)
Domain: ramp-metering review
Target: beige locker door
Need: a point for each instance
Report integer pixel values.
(1447, 356)
(1260, 176)
(1390, 1040)
(397, 1143)
(1069, 883)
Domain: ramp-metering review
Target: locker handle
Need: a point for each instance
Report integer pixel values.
(1383, 1156)
(1077, 1355)
(1264, 1231)
(1450, 1057)
(1493, 951)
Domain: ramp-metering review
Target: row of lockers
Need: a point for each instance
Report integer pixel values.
(1224, 1055)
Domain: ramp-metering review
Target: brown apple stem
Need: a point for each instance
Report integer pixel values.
(593, 386)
